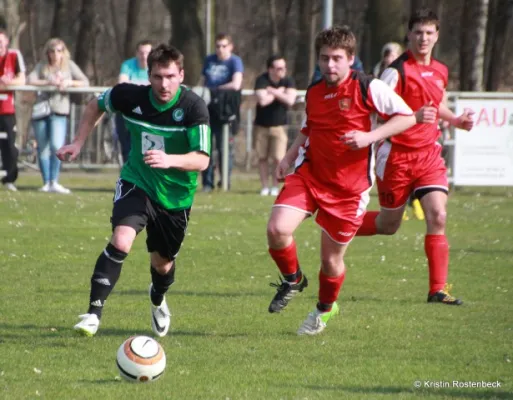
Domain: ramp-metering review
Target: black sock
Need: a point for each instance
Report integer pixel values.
(161, 284)
(106, 274)
(323, 307)
(295, 277)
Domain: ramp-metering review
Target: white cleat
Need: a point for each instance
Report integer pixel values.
(160, 317)
(264, 192)
(10, 187)
(317, 321)
(88, 326)
(55, 187)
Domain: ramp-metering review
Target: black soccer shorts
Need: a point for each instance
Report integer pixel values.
(165, 228)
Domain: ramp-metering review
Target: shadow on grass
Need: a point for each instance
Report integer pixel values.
(171, 293)
(470, 393)
(102, 381)
(74, 190)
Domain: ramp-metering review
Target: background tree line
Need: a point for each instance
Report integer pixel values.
(102, 33)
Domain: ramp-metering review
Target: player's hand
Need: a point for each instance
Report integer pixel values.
(282, 169)
(466, 120)
(356, 139)
(157, 159)
(69, 152)
(427, 114)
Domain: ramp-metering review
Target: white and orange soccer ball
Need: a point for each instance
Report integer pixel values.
(141, 359)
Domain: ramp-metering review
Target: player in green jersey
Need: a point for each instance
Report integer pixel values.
(170, 137)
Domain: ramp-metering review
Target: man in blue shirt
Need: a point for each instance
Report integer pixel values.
(222, 71)
(134, 70)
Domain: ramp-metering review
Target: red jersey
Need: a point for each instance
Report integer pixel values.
(418, 85)
(331, 112)
(10, 65)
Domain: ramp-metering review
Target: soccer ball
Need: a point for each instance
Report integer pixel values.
(141, 359)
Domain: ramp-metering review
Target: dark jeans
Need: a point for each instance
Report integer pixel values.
(123, 136)
(217, 136)
(8, 148)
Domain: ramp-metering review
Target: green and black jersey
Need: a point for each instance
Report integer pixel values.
(177, 127)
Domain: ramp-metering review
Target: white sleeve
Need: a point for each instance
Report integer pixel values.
(387, 102)
(391, 77)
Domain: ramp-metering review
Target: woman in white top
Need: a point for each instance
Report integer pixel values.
(51, 110)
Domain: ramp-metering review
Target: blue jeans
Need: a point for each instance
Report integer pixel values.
(50, 133)
(208, 174)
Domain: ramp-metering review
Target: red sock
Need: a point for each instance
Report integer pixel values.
(329, 287)
(437, 252)
(368, 227)
(286, 259)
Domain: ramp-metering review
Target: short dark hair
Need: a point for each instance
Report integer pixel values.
(164, 54)
(144, 42)
(4, 32)
(424, 16)
(337, 37)
(270, 61)
(223, 36)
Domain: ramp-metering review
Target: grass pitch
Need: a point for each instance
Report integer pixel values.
(223, 343)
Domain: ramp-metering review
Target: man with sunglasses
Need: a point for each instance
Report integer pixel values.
(276, 93)
(222, 74)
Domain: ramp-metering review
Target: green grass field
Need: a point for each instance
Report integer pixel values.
(223, 343)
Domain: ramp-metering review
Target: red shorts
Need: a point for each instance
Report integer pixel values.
(399, 173)
(339, 215)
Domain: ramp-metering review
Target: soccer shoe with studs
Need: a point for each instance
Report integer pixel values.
(443, 296)
(316, 321)
(88, 326)
(160, 317)
(285, 291)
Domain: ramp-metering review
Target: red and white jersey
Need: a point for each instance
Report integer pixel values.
(10, 65)
(418, 85)
(331, 112)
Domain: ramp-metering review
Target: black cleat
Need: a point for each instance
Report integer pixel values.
(443, 296)
(285, 292)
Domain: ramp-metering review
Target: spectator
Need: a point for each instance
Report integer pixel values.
(389, 53)
(275, 93)
(134, 70)
(222, 74)
(12, 73)
(51, 110)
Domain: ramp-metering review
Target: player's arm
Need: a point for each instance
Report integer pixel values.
(111, 101)
(198, 135)
(464, 121)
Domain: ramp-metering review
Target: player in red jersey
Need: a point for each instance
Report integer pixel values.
(333, 171)
(412, 160)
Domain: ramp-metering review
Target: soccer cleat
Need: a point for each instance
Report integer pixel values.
(317, 321)
(160, 317)
(417, 210)
(443, 296)
(275, 191)
(10, 187)
(285, 291)
(264, 192)
(88, 326)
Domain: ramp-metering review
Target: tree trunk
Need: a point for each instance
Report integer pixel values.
(11, 21)
(472, 50)
(187, 35)
(301, 65)
(499, 22)
(60, 19)
(386, 20)
(275, 47)
(134, 8)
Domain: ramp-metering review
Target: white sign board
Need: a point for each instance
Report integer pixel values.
(484, 156)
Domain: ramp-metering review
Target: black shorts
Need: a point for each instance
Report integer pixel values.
(165, 228)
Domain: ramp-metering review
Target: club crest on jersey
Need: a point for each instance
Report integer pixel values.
(345, 103)
(178, 114)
